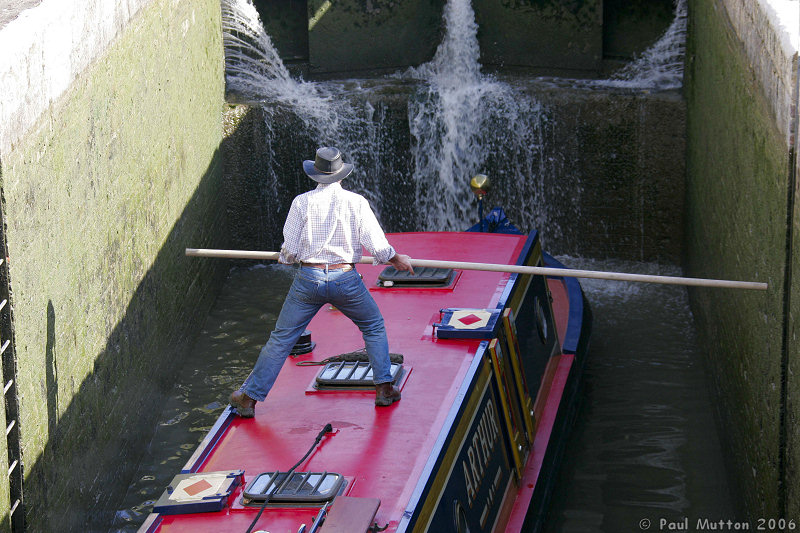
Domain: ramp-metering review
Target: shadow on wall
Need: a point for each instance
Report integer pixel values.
(51, 370)
(94, 446)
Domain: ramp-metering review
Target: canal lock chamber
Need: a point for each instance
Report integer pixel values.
(573, 110)
(697, 174)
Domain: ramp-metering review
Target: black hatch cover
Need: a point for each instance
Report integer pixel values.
(423, 277)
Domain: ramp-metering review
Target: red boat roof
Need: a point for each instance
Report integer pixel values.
(380, 451)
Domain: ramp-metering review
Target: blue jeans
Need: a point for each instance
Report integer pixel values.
(312, 288)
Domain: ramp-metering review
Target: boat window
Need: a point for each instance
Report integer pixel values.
(351, 374)
(540, 319)
(301, 488)
(423, 277)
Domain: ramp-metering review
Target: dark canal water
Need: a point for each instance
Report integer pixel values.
(644, 446)
(222, 356)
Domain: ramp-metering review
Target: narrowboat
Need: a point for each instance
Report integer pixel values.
(489, 365)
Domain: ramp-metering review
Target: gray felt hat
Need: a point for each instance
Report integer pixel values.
(328, 166)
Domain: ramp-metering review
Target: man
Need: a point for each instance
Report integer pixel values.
(324, 232)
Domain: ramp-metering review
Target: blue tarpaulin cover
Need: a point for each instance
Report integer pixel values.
(495, 222)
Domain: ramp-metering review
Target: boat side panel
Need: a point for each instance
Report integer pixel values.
(466, 489)
(537, 335)
(539, 471)
(448, 502)
(573, 334)
(558, 408)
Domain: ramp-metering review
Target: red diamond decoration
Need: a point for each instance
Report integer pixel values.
(196, 488)
(469, 319)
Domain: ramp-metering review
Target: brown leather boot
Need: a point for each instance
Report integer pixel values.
(244, 404)
(386, 394)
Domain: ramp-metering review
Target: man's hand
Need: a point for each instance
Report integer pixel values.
(402, 262)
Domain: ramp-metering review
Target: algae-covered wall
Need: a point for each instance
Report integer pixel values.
(375, 36)
(738, 168)
(791, 423)
(116, 178)
(556, 37)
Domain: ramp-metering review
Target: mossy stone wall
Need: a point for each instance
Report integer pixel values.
(737, 167)
(371, 37)
(100, 199)
(551, 36)
(792, 357)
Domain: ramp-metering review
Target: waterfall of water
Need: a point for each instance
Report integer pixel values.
(254, 70)
(317, 113)
(464, 123)
(661, 65)
(461, 122)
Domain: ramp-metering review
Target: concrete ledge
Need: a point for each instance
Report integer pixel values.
(102, 193)
(769, 33)
(44, 50)
(12, 8)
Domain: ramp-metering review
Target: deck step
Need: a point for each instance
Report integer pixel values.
(349, 514)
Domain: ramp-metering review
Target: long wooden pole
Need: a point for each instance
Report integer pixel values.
(542, 271)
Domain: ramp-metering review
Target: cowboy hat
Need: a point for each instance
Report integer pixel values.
(328, 166)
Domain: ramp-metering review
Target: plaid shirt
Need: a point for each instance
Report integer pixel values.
(329, 225)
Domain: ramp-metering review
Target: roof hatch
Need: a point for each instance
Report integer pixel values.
(423, 277)
(301, 488)
(351, 374)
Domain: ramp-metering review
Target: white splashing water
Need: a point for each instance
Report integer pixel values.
(463, 122)
(254, 69)
(455, 118)
(326, 113)
(660, 66)
(460, 119)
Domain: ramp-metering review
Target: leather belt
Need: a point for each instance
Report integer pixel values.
(338, 266)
